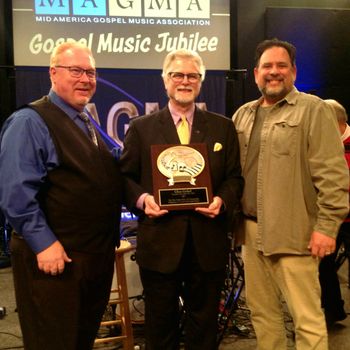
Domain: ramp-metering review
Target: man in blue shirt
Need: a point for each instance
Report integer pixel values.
(60, 191)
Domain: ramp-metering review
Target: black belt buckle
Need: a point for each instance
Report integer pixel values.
(252, 218)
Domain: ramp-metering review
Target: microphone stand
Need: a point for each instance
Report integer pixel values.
(4, 247)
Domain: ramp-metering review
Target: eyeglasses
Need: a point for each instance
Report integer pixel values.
(77, 72)
(178, 77)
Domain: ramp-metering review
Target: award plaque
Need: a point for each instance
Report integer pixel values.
(181, 176)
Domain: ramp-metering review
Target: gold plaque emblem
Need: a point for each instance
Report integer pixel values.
(180, 164)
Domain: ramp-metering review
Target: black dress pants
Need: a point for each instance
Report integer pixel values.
(331, 298)
(200, 292)
(61, 312)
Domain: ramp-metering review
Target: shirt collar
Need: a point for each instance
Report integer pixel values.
(346, 133)
(176, 115)
(290, 98)
(66, 108)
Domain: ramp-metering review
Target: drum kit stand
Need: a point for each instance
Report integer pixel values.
(229, 303)
(4, 243)
(231, 293)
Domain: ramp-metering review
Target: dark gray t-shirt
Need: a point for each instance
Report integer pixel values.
(250, 171)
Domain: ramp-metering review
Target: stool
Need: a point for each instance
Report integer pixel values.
(119, 297)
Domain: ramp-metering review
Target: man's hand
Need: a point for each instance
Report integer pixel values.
(52, 260)
(214, 208)
(321, 245)
(152, 209)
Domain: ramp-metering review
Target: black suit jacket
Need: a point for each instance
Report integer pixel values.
(160, 241)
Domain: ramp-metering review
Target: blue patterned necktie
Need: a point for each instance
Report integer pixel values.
(92, 132)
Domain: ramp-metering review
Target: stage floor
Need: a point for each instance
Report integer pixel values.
(239, 336)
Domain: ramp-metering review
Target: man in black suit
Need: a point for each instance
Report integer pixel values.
(182, 252)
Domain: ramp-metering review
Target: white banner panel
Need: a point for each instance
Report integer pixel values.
(123, 33)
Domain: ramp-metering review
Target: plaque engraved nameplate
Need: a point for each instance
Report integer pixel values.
(181, 176)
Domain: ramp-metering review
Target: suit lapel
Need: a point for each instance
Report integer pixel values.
(199, 126)
(167, 128)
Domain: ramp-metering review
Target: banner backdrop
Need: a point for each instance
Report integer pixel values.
(122, 95)
(123, 33)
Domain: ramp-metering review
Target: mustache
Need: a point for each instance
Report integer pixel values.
(188, 88)
(274, 77)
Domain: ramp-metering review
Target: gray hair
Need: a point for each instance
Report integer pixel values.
(183, 53)
(339, 110)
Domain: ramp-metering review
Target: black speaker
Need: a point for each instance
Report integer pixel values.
(7, 70)
(235, 90)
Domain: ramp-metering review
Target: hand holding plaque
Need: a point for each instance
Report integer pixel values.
(181, 176)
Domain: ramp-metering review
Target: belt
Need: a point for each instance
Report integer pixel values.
(16, 235)
(252, 218)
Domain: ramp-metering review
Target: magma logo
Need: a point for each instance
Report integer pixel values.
(125, 8)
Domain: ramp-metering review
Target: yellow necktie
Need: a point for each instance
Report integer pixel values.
(183, 131)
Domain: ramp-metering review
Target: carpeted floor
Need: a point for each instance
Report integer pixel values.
(239, 334)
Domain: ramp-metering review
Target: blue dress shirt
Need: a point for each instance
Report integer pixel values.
(27, 153)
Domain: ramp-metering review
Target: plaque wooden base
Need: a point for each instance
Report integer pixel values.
(181, 176)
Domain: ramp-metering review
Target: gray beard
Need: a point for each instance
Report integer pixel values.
(183, 101)
(278, 95)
